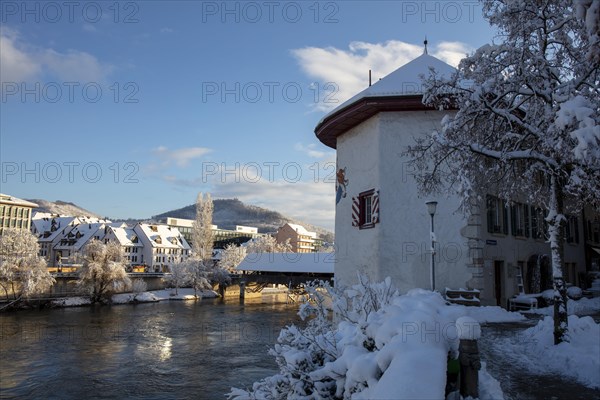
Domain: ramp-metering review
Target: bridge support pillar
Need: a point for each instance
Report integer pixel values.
(242, 290)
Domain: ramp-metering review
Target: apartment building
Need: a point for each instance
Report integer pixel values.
(301, 240)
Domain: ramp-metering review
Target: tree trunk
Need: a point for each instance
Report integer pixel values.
(556, 230)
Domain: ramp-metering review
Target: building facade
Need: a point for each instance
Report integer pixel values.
(382, 224)
(162, 246)
(63, 238)
(301, 240)
(15, 213)
(221, 237)
(131, 244)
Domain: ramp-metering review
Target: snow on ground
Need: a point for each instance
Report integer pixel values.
(71, 302)
(489, 387)
(583, 306)
(485, 314)
(397, 352)
(144, 297)
(534, 350)
(183, 294)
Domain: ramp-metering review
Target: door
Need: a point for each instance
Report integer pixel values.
(498, 280)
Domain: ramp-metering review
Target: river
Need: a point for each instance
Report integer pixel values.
(166, 350)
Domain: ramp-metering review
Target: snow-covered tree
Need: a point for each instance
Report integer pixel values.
(22, 271)
(316, 361)
(268, 244)
(138, 286)
(527, 125)
(231, 257)
(179, 275)
(202, 234)
(103, 270)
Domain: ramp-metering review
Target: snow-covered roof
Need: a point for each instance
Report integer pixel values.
(164, 236)
(10, 200)
(317, 263)
(126, 236)
(43, 226)
(302, 230)
(49, 226)
(401, 90)
(404, 81)
(82, 233)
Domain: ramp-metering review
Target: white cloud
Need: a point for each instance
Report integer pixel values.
(77, 66)
(166, 30)
(17, 64)
(22, 62)
(349, 69)
(312, 150)
(307, 201)
(298, 194)
(180, 157)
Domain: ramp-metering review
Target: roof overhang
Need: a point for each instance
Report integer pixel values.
(339, 122)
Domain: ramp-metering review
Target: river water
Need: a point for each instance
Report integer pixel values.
(189, 350)
(166, 350)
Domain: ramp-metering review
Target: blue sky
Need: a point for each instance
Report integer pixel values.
(130, 109)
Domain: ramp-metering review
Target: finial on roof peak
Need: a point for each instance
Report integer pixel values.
(425, 43)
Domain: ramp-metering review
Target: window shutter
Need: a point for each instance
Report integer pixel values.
(576, 227)
(355, 211)
(375, 207)
(568, 232)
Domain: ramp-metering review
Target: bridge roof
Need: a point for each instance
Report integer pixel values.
(316, 263)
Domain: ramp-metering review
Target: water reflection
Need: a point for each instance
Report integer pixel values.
(163, 350)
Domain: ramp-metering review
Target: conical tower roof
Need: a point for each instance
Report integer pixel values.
(401, 90)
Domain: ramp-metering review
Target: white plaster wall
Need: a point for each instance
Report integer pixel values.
(398, 246)
(356, 249)
(405, 222)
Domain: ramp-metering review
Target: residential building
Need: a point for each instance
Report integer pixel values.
(301, 240)
(591, 237)
(382, 225)
(57, 244)
(70, 248)
(163, 246)
(15, 213)
(129, 241)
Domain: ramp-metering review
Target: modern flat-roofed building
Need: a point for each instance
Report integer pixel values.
(15, 213)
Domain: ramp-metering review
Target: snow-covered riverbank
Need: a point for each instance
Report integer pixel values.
(143, 297)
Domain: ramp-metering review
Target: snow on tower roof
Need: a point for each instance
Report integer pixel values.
(401, 90)
(404, 81)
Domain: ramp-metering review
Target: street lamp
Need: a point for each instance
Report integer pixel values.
(431, 206)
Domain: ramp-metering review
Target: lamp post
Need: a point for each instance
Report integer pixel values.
(431, 206)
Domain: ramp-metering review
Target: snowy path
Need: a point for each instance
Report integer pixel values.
(521, 377)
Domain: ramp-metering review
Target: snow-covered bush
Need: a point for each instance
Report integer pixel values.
(138, 286)
(383, 346)
(574, 292)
